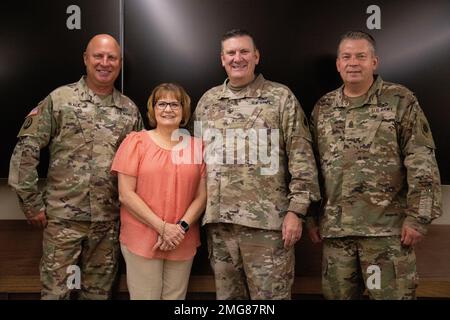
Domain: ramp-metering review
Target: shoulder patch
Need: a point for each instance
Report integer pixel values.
(423, 134)
(28, 122)
(29, 126)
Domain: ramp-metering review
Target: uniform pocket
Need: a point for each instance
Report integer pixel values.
(406, 276)
(383, 136)
(48, 257)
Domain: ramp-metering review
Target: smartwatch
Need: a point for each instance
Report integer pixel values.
(184, 225)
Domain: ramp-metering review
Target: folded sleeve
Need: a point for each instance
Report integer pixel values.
(128, 156)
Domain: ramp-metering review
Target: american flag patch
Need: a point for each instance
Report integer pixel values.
(33, 112)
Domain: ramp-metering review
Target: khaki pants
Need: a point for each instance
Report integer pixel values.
(250, 263)
(156, 279)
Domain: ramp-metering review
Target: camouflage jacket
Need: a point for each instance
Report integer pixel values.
(377, 162)
(271, 170)
(82, 133)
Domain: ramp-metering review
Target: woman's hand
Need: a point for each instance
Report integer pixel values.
(173, 234)
(163, 245)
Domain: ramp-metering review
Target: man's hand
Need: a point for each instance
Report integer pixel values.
(410, 236)
(292, 229)
(314, 234)
(39, 220)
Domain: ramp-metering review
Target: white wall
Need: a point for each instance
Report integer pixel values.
(9, 208)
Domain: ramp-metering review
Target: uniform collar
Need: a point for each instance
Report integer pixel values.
(371, 96)
(252, 90)
(86, 94)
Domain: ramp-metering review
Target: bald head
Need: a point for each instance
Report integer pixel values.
(103, 60)
(103, 39)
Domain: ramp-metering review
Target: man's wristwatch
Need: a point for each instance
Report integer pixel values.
(184, 225)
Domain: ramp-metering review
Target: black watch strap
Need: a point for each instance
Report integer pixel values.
(184, 225)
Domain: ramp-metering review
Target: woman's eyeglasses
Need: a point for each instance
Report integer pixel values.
(162, 105)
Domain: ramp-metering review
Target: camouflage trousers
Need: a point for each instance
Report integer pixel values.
(93, 246)
(379, 264)
(249, 263)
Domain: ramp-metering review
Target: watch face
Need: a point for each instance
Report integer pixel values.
(184, 225)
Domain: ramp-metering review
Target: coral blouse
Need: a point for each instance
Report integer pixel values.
(166, 185)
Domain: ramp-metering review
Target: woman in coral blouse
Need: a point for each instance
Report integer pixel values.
(162, 189)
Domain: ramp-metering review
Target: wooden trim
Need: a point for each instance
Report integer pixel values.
(20, 251)
(428, 288)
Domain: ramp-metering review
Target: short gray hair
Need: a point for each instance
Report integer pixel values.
(357, 35)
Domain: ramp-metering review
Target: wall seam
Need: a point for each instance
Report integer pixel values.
(122, 41)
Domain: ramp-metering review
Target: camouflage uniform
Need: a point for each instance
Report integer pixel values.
(80, 198)
(379, 170)
(381, 259)
(251, 194)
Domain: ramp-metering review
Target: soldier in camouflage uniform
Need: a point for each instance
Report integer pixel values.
(82, 124)
(381, 181)
(255, 208)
